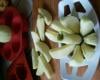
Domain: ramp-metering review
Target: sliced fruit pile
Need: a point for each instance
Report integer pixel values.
(76, 36)
(13, 42)
(40, 54)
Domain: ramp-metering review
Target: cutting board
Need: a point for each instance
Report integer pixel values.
(52, 7)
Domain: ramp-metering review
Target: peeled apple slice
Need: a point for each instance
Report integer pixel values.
(61, 52)
(87, 50)
(45, 67)
(41, 27)
(56, 25)
(40, 70)
(34, 58)
(71, 39)
(86, 26)
(47, 16)
(91, 39)
(71, 22)
(44, 49)
(67, 38)
(36, 39)
(77, 57)
(5, 34)
(51, 35)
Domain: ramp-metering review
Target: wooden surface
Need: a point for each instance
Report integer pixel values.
(51, 6)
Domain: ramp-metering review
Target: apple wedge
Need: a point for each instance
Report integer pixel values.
(5, 34)
(71, 22)
(71, 38)
(35, 39)
(45, 67)
(66, 38)
(34, 55)
(77, 57)
(44, 49)
(56, 25)
(51, 35)
(91, 39)
(41, 27)
(87, 50)
(40, 69)
(47, 16)
(86, 26)
(61, 52)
